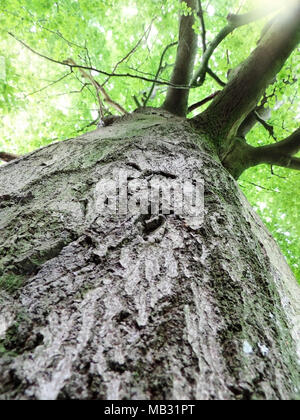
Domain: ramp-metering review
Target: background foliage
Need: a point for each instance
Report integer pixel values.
(41, 102)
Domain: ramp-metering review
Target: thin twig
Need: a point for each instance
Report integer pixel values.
(98, 88)
(132, 51)
(203, 102)
(136, 101)
(262, 188)
(50, 84)
(57, 33)
(105, 73)
(215, 77)
(268, 127)
(279, 176)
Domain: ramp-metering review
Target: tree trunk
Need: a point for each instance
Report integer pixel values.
(97, 305)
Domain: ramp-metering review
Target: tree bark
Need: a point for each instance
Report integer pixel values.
(103, 306)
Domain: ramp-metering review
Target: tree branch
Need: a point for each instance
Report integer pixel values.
(177, 100)
(132, 51)
(8, 157)
(251, 120)
(203, 102)
(98, 88)
(137, 102)
(215, 77)
(200, 73)
(159, 70)
(243, 91)
(240, 155)
(278, 159)
(105, 73)
(289, 146)
(203, 28)
(268, 127)
(50, 84)
(234, 21)
(261, 187)
(261, 113)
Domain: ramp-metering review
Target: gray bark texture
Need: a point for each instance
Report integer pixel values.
(121, 307)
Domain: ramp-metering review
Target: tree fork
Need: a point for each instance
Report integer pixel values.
(243, 91)
(233, 22)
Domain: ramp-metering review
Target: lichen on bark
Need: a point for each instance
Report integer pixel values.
(120, 307)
